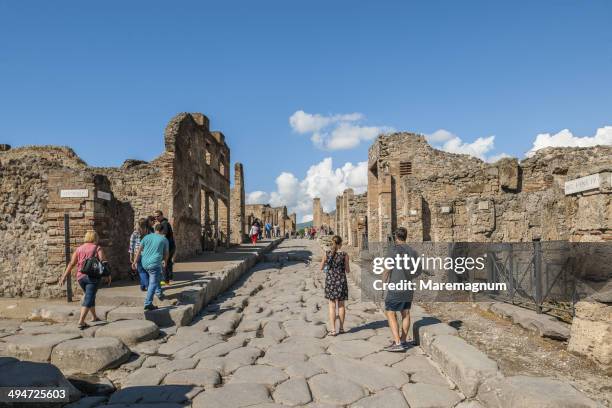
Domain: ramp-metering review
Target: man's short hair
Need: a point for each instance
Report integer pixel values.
(158, 227)
(159, 212)
(401, 234)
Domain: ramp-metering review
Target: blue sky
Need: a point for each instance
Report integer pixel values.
(106, 77)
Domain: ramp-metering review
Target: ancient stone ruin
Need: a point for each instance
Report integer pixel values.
(273, 215)
(39, 185)
(558, 194)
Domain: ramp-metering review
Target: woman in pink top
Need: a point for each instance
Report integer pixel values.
(87, 283)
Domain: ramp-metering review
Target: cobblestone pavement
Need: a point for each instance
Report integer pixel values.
(265, 344)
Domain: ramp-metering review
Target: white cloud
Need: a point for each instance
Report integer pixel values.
(335, 132)
(565, 138)
(322, 180)
(449, 142)
(306, 218)
(257, 197)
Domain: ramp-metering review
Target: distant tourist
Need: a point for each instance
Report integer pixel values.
(169, 234)
(89, 249)
(254, 233)
(398, 300)
(335, 265)
(276, 231)
(142, 229)
(268, 230)
(154, 255)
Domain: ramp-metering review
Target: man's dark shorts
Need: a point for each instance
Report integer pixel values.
(395, 306)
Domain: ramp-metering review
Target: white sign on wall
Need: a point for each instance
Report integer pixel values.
(413, 212)
(483, 205)
(582, 184)
(445, 210)
(81, 193)
(104, 195)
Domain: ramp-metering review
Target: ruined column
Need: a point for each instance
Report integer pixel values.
(317, 211)
(237, 206)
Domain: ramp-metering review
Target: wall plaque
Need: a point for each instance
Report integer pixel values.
(413, 212)
(104, 195)
(445, 210)
(80, 193)
(582, 184)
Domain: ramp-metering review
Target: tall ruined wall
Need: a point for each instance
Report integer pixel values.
(200, 162)
(195, 163)
(274, 215)
(445, 197)
(351, 218)
(24, 233)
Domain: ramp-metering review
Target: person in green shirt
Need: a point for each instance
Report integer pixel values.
(153, 254)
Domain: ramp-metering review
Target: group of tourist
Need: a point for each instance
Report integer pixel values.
(151, 250)
(336, 266)
(257, 232)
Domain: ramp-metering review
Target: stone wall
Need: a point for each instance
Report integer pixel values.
(189, 182)
(274, 215)
(321, 219)
(448, 197)
(350, 218)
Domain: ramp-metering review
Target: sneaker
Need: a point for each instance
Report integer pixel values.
(394, 348)
(162, 297)
(150, 307)
(163, 283)
(406, 344)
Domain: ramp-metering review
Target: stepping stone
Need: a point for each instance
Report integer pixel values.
(26, 374)
(130, 332)
(353, 348)
(34, 348)
(233, 396)
(390, 397)
(430, 396)
(90, 355)
(283, 360)
(163, 317)
(259, 374)
(168, 395)
(144, 377)
(201, 377)
(177, 365)
(334, 389)
(306, 370)
(293, 392)
(527, 392)
(65, 313)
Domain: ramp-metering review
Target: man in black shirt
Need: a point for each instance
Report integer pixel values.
(167, 231)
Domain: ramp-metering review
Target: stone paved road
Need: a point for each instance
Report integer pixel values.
(264, 344)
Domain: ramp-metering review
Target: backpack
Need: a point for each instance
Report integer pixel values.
(94, 268)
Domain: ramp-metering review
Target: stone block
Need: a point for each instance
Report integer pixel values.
(130, 332)
(90, 355)
(428, 333)
(464, 364)
(531, 392)
(591, 333)
(430, 396)
(34, 347)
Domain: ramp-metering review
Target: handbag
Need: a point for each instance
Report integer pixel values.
(327, 266)
(94, 268)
